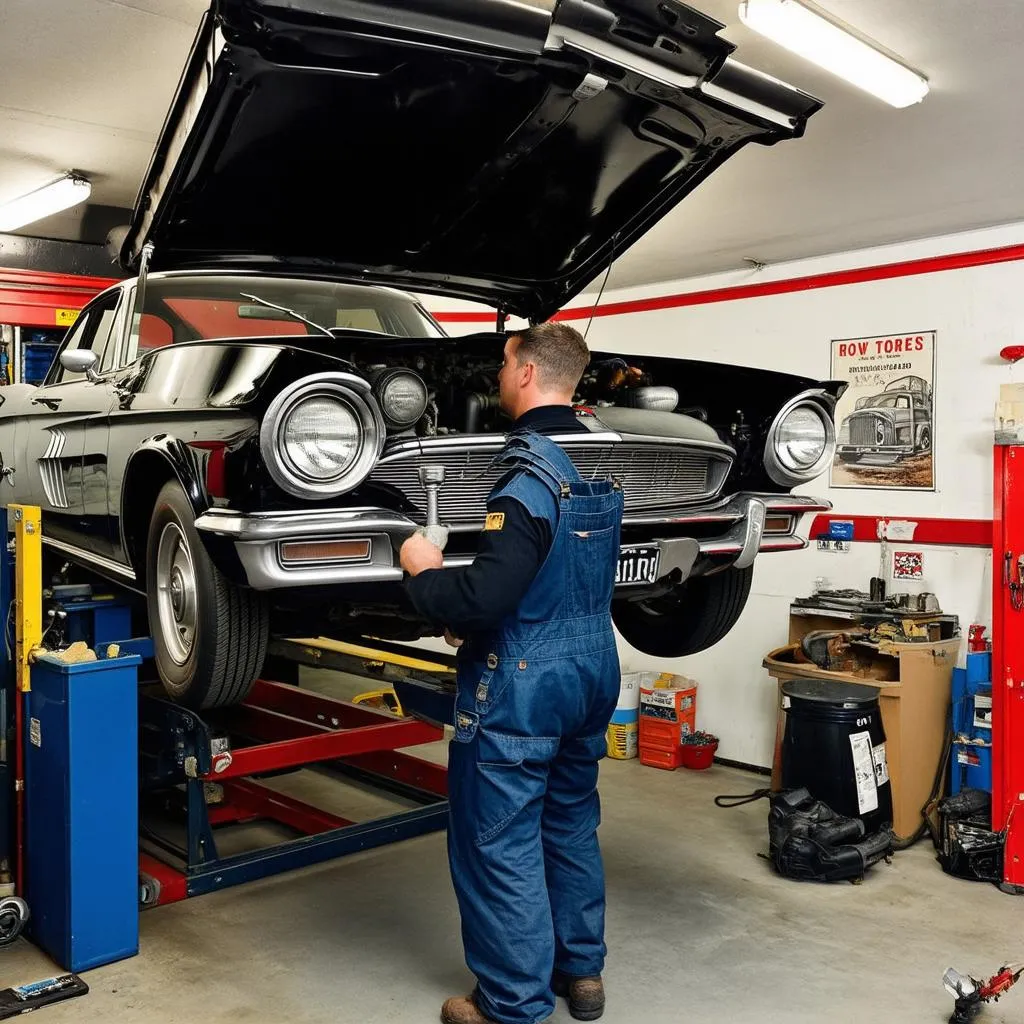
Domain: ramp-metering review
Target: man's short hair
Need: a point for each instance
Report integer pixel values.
(557, 350)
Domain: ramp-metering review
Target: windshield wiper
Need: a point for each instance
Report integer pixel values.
(290, 312)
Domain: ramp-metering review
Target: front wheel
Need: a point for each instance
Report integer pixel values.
(691, 618)
(209, 635)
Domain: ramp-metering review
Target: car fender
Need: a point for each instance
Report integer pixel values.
(151, 464)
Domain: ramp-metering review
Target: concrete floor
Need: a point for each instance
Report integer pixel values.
(699, 928)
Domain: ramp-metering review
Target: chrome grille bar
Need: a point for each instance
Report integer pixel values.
(654, 476)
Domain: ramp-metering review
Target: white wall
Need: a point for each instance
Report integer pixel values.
(975, 313)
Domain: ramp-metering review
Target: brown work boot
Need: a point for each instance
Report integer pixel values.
(462, 1010)
(585, 995)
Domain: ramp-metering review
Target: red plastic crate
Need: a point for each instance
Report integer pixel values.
(666, 759)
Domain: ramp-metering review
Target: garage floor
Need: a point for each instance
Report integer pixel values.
(698, 929)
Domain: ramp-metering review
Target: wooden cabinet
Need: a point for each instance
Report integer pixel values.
(915, 680)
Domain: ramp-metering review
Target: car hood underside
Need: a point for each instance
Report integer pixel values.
(503, 151)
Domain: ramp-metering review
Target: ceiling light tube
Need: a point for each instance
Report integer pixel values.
(810, 33)
(58, 195)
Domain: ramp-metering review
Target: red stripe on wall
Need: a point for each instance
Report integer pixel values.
(970, 533)
(834, 279)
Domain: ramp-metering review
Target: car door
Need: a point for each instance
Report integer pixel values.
(50, 436)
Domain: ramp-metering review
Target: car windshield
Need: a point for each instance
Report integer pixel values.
(207, 307)
(889, 402)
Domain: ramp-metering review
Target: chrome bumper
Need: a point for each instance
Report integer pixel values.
(258, 537)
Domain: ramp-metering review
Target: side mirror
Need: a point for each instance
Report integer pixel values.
(81, 360)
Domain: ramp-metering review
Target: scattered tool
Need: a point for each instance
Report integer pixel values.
(26, 998)
(970, 993)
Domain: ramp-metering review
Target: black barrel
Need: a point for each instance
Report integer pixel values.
(834, 745)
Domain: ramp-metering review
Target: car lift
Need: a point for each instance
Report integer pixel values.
(1008, 661)
(206, 768)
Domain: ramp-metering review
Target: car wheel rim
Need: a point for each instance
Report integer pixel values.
(176, 593)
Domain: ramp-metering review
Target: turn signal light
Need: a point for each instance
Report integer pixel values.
(325, 551)
(778, 524)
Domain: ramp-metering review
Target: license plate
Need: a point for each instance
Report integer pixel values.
(637, 565)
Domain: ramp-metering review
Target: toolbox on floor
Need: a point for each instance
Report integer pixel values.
(668, 712)
(82, 798)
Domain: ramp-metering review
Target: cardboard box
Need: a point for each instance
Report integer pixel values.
(916, 686)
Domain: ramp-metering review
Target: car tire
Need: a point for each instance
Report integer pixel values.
(850, 459)
(209, 634)
(692, 618)
(925, 441)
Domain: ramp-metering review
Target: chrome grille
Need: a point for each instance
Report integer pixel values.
(654, 477)
(862, 430)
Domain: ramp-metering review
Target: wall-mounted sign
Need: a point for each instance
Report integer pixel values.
(66, 317)
(885, 420)
(907, 565)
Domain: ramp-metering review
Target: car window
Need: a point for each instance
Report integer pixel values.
(93, 331)
(72, 340)
(903, 402)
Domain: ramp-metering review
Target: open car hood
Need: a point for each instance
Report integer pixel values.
(503, 151)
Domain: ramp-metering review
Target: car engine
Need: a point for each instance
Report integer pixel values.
(428, 390)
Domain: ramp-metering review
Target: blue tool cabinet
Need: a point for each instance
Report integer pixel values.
(971, 761)
(81, 780)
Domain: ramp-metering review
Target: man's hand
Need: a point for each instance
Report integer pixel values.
(418, 554)
(451, 640)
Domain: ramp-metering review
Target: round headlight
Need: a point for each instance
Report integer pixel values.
(801, 439)
(801, 442)
(402, 395)
(321, 436)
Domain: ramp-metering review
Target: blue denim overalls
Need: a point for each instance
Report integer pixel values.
(535, 699)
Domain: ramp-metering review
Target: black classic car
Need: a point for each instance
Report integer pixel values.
(246, 429)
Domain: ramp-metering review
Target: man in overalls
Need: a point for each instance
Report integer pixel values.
(538, 679)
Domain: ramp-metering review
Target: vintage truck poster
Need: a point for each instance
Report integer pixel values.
(885, 420)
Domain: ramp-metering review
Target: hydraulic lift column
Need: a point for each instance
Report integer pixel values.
(1008, 660)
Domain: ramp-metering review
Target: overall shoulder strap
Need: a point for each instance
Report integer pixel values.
(537, 454)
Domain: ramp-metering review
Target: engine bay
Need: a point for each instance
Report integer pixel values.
(459, 391)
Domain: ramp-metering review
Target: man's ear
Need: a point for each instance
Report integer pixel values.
(529, 373)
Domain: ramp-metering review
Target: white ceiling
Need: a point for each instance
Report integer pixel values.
(84, 85)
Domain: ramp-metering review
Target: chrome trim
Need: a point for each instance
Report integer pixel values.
(678, 553)
(298, 525)
(817, 400)
(753, 534)
(50, 470)
(81, 555)
(403, 449)
(257, 538)
(408, 448)
(347, 388)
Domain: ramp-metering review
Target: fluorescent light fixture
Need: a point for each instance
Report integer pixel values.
(809, 32)
(58, 195)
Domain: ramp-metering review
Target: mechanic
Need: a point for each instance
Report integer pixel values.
(538, 679)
